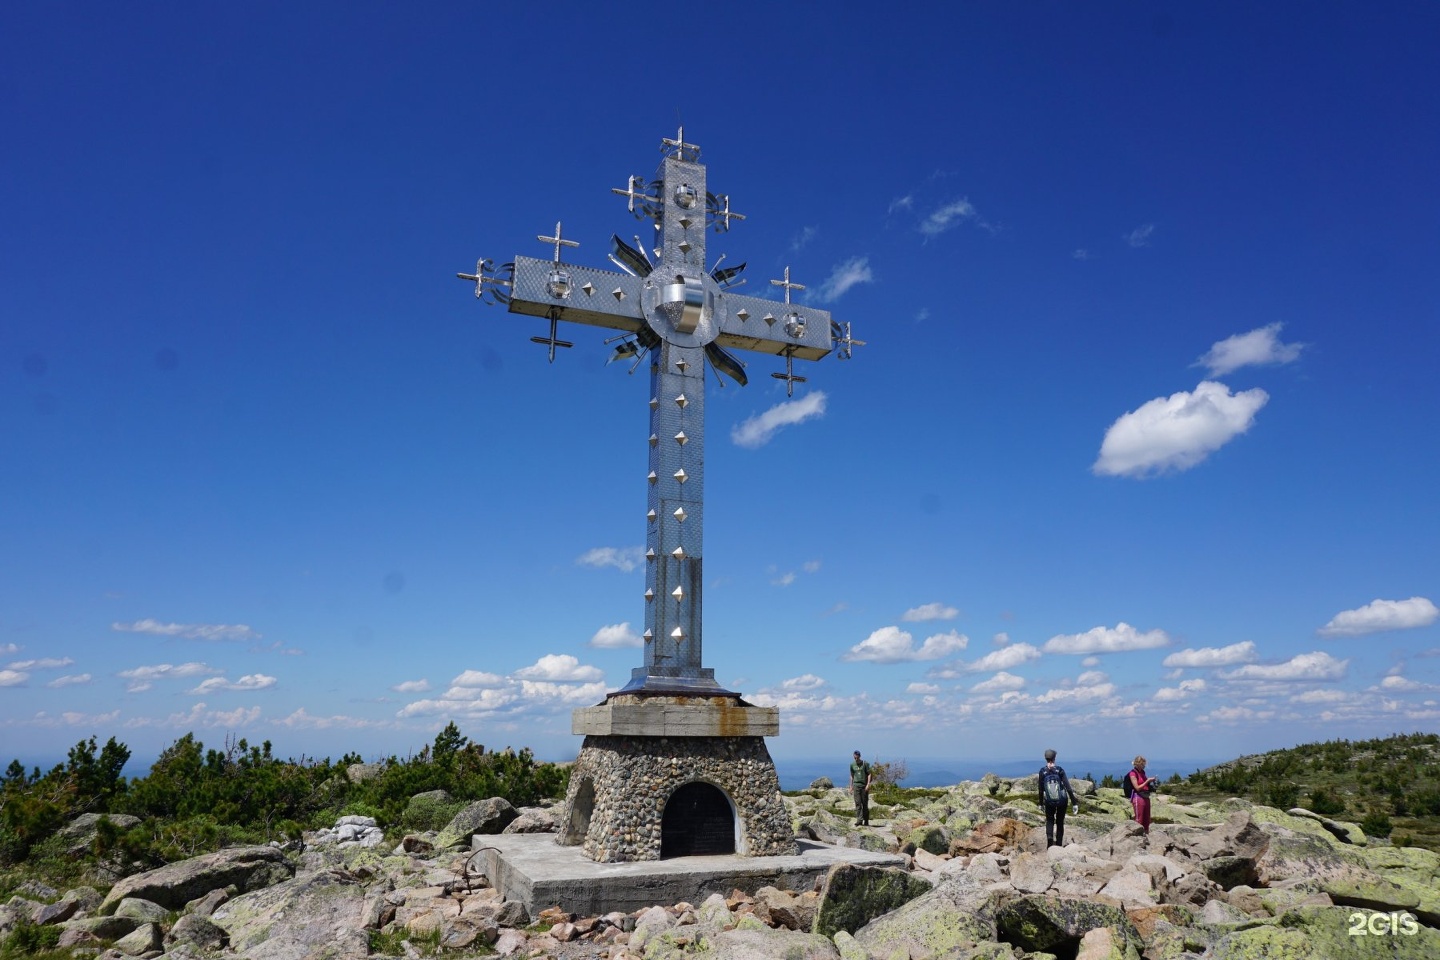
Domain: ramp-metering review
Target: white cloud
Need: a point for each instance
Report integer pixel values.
(1002, 659)
(1080, 253)
(811, 566)
(622, 558)
(1243, 652)
(1306, 666)
(189, 631)
(12, 678)
(1187, 688)
(784, 580)
(70, 681)
(1094, 690)
(561, 667)
(411, 686)
(615, 636)
(1235, 715)
(803, 238)
(1321, 696)
(1381, 615)
(1400, 684)
(7, 649)
(759, 429)
(1140, 236)
(1258, 347)
(477, 678)
(251, 681)
(1090, 661)
(906, 202)
(1119, 639)
(1000, 682)
(1177, 432)
(930, 611)
(1001, 639)
(562, 693)
(49, 663)
(923, 688)
(802, 684)
(199, 716)
(893, 645)
(302, 720)
(142, 678)
(943, 218)
(851, 273)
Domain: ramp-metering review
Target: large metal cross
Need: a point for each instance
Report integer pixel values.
(676, 310)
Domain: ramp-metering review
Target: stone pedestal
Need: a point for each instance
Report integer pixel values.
(625, 797)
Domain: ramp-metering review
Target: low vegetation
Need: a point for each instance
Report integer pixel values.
(195, 800)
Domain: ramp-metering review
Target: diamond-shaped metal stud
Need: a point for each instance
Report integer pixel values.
(680, 514)
(678, 593)
(648, 635)
(678, 553)
(681, 475)
(681, 402)
(684, 246)
(685, 222)
(588, 287)
(618, 294)
(654, 402)
(651, 516)
(743, 314)
(650, 553)
(678, 634)
(652, 477)
(769, 319)
(649, 594)
(681, 439)
(654, 439)
(682, 365)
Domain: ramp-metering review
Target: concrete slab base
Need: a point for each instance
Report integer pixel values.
(533, 869)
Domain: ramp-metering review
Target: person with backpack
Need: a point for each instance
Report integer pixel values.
(1055, 795)
(1138, 788)
(860, 779)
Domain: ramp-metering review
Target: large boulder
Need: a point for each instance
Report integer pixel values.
(1055, 925)
(853, 895)
(953, 914)
(176, 884)
(763, 943)
(483, 817)
(80, 832)
(992, 836)
(1329, 932)
(320, 916)
(430, 810)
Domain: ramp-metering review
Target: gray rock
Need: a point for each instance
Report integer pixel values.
(766, 944)
(483, 817)
(360, 772)
(80, 832)
(143, 911)
(198, 931)
(320, 916)
(208, 904)
(534, 820)
(786, 909)
(1031, 873)
(935, 924)
(142, 939)
(106, 928)
(822, 783)
(1054, 925)
(176, 884)
(853, 895)
(1230, 872)
(48, 914)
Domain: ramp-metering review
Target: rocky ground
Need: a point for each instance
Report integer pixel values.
(1219, 881)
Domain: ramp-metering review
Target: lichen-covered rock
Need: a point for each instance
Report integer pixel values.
(932, 839)
(534, 820)
(320, 916)
(481, 818)
(197, 931)
(80, 832)
(951, 916)
(143, 911)
(176, 884)
(1055, 925)
(767, 944)
(142, 939)
(822, 783)
(1308, 933)
(853, 895)
(430, 810)
(992, 836)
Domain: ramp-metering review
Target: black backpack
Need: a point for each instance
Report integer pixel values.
(1127, 785)
(1054, 787)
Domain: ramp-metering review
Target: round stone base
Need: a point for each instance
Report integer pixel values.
(620, 785)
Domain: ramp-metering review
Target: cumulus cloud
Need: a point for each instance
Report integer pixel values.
(1001, 639)
(803, 238)
(1140, 236)
(1118, 639)
(201, 716)
(411, 686)
(1379, 615)
(930, 611)
(1398, 684)
(906, 202)
(251, 681)
(73, 680)
(616, 635)
(1177, 432)
(945, 217)
(811, 566)
(893, 645)
(1320, 696)
(303, 720)
(758, 430)
(143, 678)
(1258, 347)
(802, 684)
(923, 688)
(849, 274)
(1243, 652)
(1235, 715)
(784, 579)
(559, 667)
(477, 678)
(1187, 688)
(7, 649)
(189, 631)
(12, 678)
(621, 558)
(1306, 666)
(999, 683)
(49, 663)
(1002, 659)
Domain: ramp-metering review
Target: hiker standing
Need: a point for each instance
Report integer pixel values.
(1055, 795)
(860, 777)
(1140, 787)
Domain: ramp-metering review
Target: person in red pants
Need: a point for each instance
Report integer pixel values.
(1141, 787)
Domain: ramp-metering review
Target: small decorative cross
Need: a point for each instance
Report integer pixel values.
(558, 240)
(679, 148)
(787, 285)
(632, 193)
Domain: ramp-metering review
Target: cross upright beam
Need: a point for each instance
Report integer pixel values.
(682, 318)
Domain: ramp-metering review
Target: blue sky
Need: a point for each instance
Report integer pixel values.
(1140, 455)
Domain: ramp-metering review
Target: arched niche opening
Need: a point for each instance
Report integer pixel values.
(699, 820)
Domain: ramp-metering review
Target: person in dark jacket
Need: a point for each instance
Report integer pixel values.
(1055, 795)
